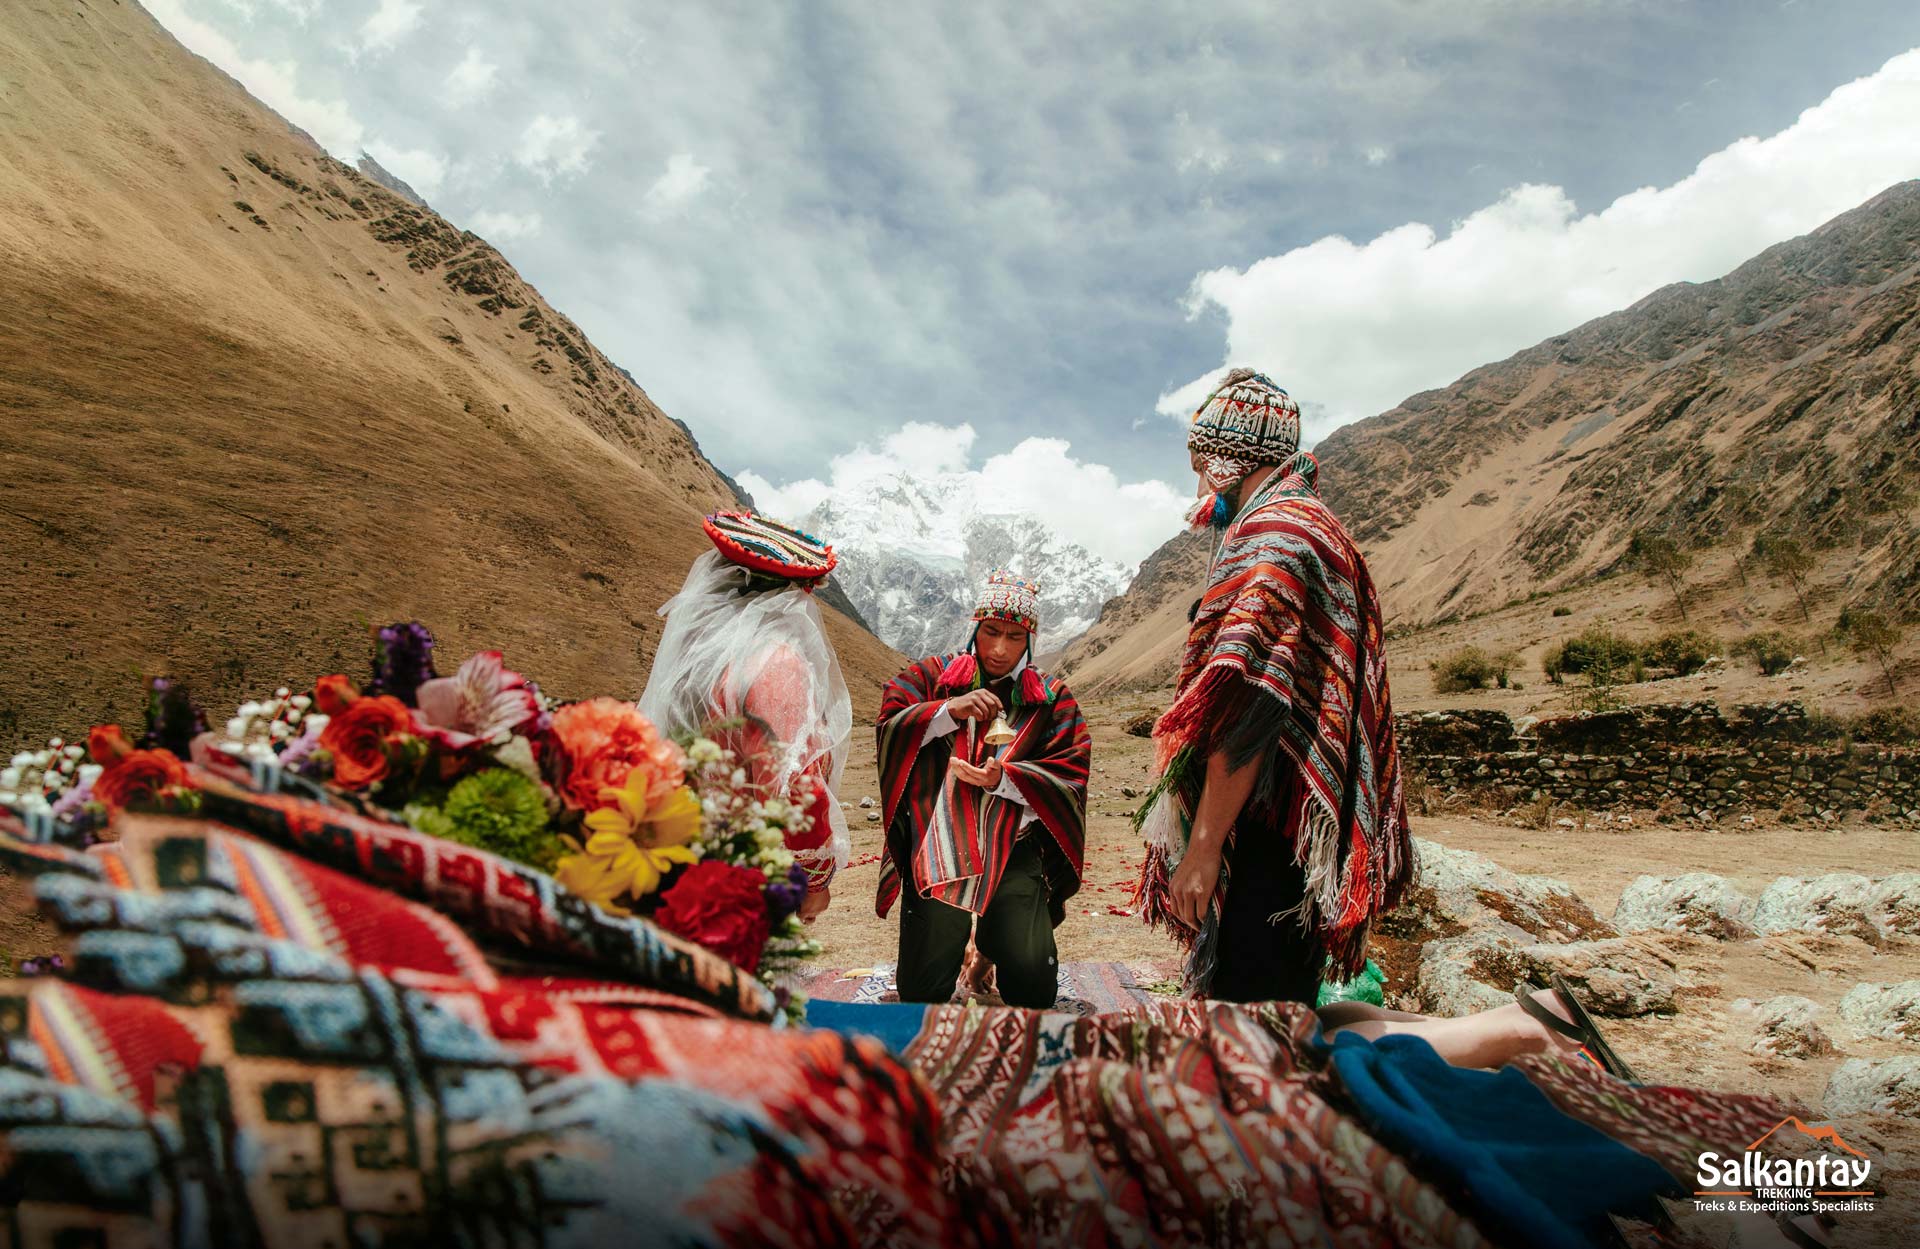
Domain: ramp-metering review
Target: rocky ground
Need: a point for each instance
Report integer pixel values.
(1747, 957)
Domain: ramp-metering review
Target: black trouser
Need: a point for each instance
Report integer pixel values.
(1259, 961)
(1016, 934)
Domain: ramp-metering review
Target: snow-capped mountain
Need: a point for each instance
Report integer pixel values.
(915, 552)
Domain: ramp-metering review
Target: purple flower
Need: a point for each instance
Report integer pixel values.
(299, 748)
(42, 965)
(785, 896)
(173, 718)
(402, 659)
(73, 802)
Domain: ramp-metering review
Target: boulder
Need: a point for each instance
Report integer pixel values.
(1888, 1086)
(1457, 890)
(1698, 902)
(1616, 976)
(1472, 972)
(1478, 970)
(1835, 904)
(1142, 724)
(1786, 1027)
(1893, 906)
(1891, 1011)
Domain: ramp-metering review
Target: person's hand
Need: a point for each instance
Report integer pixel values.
(814, 903)
(986, 778)
(978, 705)
(1193, 883)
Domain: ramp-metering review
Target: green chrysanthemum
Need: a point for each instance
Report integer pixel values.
(500, 811)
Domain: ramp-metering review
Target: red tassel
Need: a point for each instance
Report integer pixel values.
(959, 672)
(1032, 688)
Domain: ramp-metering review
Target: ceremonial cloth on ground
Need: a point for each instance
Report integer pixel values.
(1210, 1123)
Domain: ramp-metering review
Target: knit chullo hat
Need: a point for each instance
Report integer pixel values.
(1245, 424)
(769, 548)
(1015, 600)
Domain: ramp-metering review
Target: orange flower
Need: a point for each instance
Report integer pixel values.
(108, 745)
(140, 777)
(360, 737)
(601, 741)
(332, 694)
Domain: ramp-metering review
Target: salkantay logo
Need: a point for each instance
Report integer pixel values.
(1834, 1181)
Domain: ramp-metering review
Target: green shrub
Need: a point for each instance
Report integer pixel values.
(1682, 652)
(1597, 649)
(1470, 668)
(1563, 611)
(1887, 725)
(1771, 651)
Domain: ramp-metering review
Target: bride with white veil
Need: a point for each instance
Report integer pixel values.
(745, 648)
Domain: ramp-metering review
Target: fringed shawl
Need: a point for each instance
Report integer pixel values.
(962, 835)
(1288, 631)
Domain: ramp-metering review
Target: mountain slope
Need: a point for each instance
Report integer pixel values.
(1784, 397)
(253, 402)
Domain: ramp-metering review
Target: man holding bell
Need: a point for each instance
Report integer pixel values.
(983, 777)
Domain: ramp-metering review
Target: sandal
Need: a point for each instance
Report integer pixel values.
(1581, 1029)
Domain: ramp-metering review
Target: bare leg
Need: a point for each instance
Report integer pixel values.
(1491, 1038)
(1344, 1014)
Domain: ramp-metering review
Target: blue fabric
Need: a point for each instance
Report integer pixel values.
(893, 1024)
(1530, 1174)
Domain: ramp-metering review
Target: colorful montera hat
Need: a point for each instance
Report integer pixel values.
(1010, 598)
(1247, 418)
(767, 546)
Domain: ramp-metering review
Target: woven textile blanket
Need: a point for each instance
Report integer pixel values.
(250, 1048)
(1193, 1123)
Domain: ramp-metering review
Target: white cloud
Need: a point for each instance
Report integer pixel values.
(555, 145)
(275, 83)
(1355, 328)
(389, 23)
(684, 180)
(494, 226)
(1082, 502)
(419, 169)
(472, 77)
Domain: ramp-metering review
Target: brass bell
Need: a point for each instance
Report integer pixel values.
(999, 733)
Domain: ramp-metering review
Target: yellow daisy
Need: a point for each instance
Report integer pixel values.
(630, 849)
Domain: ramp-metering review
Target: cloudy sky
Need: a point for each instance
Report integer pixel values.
(1041, 227)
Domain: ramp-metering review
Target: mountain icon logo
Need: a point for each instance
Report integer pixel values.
(1826, 1134)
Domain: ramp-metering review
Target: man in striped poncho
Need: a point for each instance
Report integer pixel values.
(1277, 831)
(975, 830)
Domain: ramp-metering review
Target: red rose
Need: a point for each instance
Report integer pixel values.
(140, 777)
(721, 907)
(333, 695)
(360, 736)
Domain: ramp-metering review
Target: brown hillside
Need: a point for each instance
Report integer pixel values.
(254, 402)
(1783, 398)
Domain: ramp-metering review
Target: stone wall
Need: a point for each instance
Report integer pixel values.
(1757, 758)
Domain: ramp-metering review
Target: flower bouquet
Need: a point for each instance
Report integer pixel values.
(587, 791)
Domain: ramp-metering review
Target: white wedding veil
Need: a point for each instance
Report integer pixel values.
(719, 640)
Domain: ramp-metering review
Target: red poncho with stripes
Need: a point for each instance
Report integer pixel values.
(962, 835)
(1286, 650)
